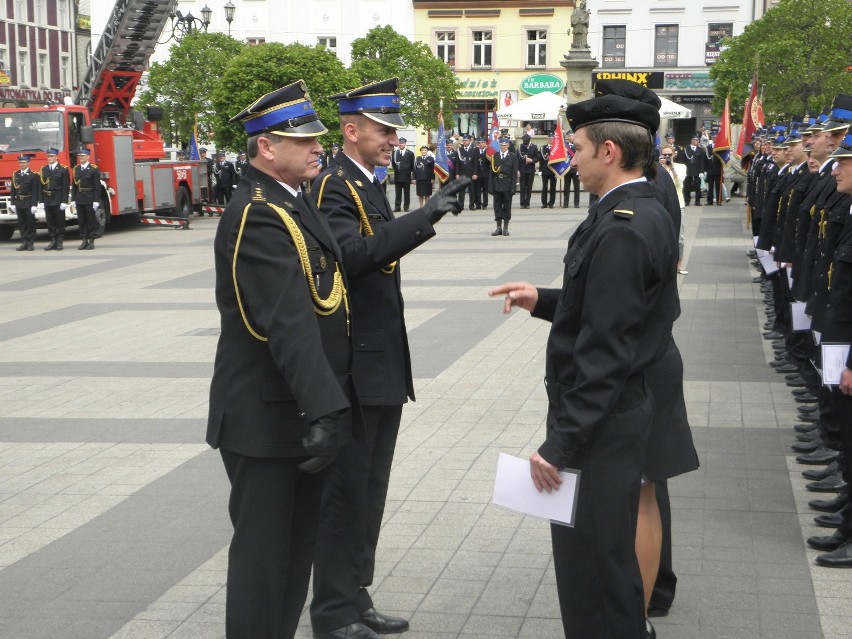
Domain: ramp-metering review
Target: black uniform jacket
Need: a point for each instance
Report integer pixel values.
(55, 184)
(265, 394)
(483, 165)
(467, 160)
(528, 151)
(403, 165)
(424, 168)
(611, 319)
(382, 365)
(837, 323)
(86, 184)
(505, 172)
(25, 189)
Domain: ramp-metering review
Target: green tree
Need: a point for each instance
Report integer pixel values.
(261, 69)
(424, 79)
(182, 85)
(801, 50)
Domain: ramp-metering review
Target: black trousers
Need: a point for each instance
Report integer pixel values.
(480, 186)
(274, 509)
(87, 221)
(548, 188)
(222, 194)
(713, 184)
(470, 193)
(503, 205)
(526, 188)
(841, 415)
(692, 183)
(26, 223)
(402, 195)
(568, 180)
(597, 573)
(55, 217)
(353, 504)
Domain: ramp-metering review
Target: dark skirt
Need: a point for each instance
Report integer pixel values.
(671, 451)
(424, 187)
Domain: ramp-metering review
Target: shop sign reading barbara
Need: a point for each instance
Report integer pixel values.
(541, 82)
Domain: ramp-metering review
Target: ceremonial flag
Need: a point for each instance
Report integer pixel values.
(193, 144)
(752, 118)
(559, 161)
(442, 162)
(494, 143)
(722, 141)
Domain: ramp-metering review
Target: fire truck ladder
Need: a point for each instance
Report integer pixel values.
(129, 38)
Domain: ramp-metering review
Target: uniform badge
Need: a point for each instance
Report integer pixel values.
(322, 261)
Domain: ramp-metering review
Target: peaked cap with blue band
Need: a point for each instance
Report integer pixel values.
(844, 149)
(820, 120)
(379, 101)
(841, 113)
(286, 111)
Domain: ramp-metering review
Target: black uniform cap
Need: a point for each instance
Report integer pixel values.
(378, 101)
(841, 113)
(286, 111)
(617, 101)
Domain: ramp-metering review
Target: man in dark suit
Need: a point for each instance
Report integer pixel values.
(714, 167)
(371, 241)
(85, 192)
(482, 178)
(466, 154)
(402, 162)
(241, 165)
(606, 329)
(528, 157)
(570, 179)
(226, 178)
(55, 185)
(694, 158)
(280, 396)
(504, 180)
(25, 192)
(548, 177)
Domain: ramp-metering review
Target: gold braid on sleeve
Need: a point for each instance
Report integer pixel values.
(322, 306)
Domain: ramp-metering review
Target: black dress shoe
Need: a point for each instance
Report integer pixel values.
(806, 446)
(751, 253)
(810, 419)
(807, 398)
(796, 382)
(758, 279)
(799, 392)
(832, 520)
(831, 484)
(383, 624)
(810, 436)
(819, 456)
(83, 245)
(808, 427)
(772, 335)
(840, 558)
(355, 630)
(787, 368)
(829, 542)
(817, 474)
(830, 505)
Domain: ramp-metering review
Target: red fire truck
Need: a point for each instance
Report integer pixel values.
(136, 178)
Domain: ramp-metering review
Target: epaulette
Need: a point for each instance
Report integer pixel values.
(94, 166)
(623, 213)
(258, 193)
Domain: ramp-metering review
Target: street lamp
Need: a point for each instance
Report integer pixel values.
(185, 24)
(229, 14)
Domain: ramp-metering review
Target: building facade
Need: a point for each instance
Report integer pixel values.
(38, 51)
(669, 46)
(501, 51)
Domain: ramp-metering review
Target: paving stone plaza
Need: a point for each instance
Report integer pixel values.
(113, 510)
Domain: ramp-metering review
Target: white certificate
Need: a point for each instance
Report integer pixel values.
(833, 362)
(514, 489)
(801, 321)
(768, 263)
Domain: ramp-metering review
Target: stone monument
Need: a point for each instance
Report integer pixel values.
(579, 63)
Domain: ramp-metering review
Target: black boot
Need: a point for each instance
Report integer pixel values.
(506, 228)
(499, 231)
(52, 245)
(90, 245)
(30, 246)
(83, 245)
(58, 242)
(23, 246)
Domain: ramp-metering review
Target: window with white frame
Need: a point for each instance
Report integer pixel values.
(62, 14)
(665, 45)
(536, 48)
(445, 47)
(20, 11)
(42, 69)
(482, 49)
(65, 71)
(329, 42)
(39, 11)
(23, 68)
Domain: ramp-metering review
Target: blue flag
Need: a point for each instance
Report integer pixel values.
(193, 145)
(442, 161)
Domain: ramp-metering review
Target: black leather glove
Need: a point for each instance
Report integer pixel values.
(445, 201)
(322, 442)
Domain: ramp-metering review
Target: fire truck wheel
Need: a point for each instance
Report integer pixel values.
(183, 203)
(102, 214)
(6, 231)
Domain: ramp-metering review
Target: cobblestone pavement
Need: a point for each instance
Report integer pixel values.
(113, 519)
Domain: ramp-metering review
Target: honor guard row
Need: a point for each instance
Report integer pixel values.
(798, 189)
(55, 186)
